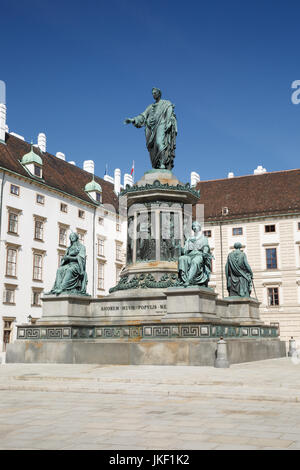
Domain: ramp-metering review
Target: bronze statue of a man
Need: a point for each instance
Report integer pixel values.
(160, 128)
(238, 273)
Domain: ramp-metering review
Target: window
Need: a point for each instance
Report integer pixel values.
(271, 258)
(81, 234)
(37, 171)
(119, 251)
(237, 231)
(118, 226)
(273, 296)
(63, 207)
(207, 233)
(37, 267)
(81, 214)
(40, 199)
(225, 211)
(118, 272)
(270, 228)
(15, 190)
(98, 197)
(61, 254)
(36, 298)
(7, 330)
(101, 247)
(62, 236)
(100, 275)
(12, 222)
(11, 262)
(101, 220)
(9, 295)
(38, 229)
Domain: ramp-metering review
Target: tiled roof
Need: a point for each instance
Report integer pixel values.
(250, 196)
(57, 173)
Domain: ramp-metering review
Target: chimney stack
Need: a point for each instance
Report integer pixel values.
(259, 170)
(2, 122)
(128, 180)
(42, 141)
(117, 180)
(230, 175)
(60, 155)
(89, 165)
(195, 178)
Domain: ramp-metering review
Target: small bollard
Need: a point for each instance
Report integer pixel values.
(221, 360)
(292, 347)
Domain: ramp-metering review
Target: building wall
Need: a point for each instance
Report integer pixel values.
(286, 277)
(26, 208)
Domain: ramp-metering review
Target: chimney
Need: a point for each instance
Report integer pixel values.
(60, 155)
(72, 163)
(195, 178)
(89, 165)
(230, 175)
(128, 180)
(259, 170)
(42, 141)
(117, 180)
(109, 179)
(2, 122)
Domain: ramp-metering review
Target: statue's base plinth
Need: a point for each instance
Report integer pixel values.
(175, 326)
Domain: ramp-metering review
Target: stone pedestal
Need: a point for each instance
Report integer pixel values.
(191, 302)
(242, 309)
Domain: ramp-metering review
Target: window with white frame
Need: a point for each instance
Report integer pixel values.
(118, 251)
(63, 207)
(36, 298)
(38, 229)
(271, 258)
(100, 275)
(273, 296)
(9, 294)
(81, 214)
(12, 222)
(15, 190)
(37, 267)
(62, 236)
(237, 231)
(101, 242)
(40, 199)
(11, 262)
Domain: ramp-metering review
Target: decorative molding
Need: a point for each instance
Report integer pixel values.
(270, 244)
(147, 331)
(14, 209)
(158, 185)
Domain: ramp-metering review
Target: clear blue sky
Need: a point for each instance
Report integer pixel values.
(76, 69)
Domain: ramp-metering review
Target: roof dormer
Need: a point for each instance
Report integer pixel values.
(33, 163)
(94, 190)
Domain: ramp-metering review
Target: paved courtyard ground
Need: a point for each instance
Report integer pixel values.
(55, 406)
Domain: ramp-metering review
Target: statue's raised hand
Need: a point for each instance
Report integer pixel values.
(128, 120)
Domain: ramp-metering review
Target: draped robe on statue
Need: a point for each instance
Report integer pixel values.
(71, 275)
(161, 130)
(238, 274)
(194, 266)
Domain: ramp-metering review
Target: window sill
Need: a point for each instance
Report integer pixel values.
(37, 280)
(11, 276)
(9, 303)
(101, 288)
(15, 234)
(34, 305)
(39, 240)
(62, 246)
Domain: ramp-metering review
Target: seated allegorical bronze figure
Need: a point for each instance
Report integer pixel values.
(238, 273)
(194, 264)
(71, 276)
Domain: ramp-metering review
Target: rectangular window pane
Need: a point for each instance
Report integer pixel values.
(40, 199)
(37, 267)
(100, 247)
(62, 236)
(15, 189)
(237, 231)
(11, 263)
(38, 230)
(100, 276)
(12, 222)
(273, 296)
(207, 233)
(9, 296)
(271, 257)
(270, 228)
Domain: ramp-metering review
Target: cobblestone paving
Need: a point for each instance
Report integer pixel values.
(249, 406)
